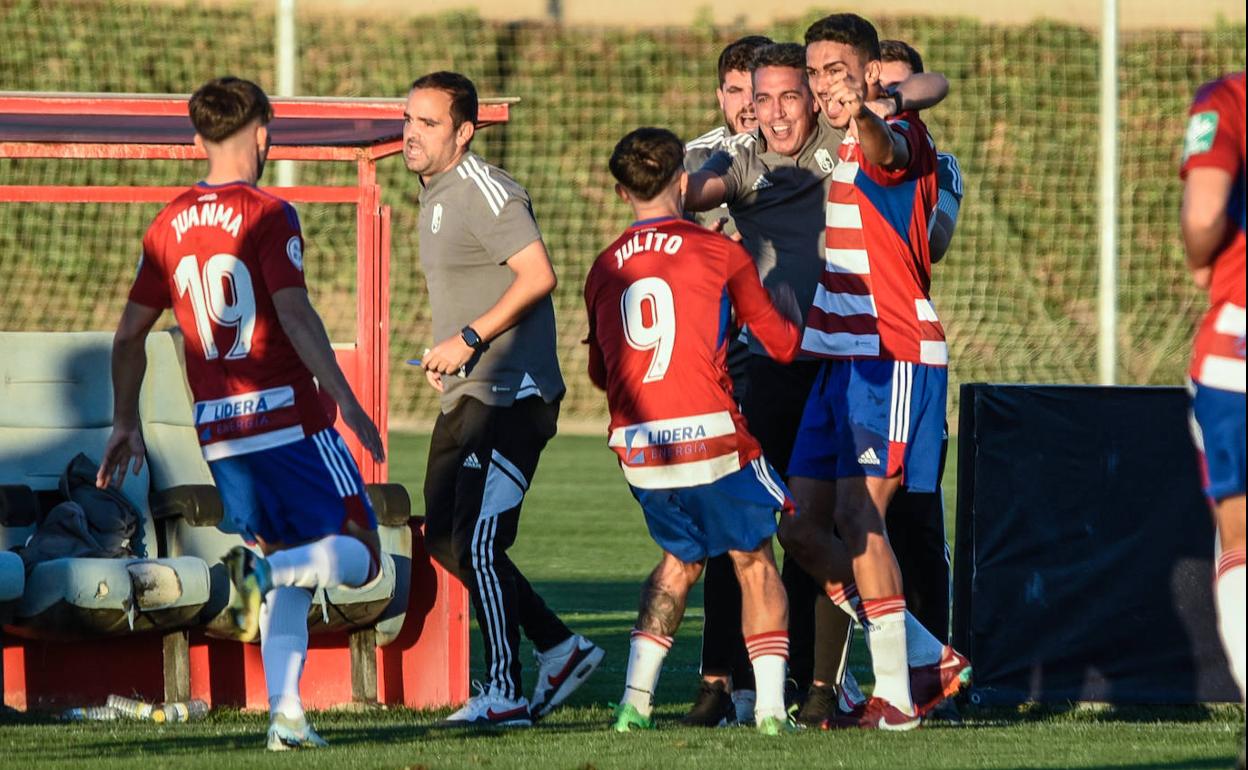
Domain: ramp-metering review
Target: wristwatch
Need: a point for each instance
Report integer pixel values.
(898, 108)
(472, 339)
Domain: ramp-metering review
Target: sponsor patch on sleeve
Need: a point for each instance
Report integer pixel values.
(1201, 131)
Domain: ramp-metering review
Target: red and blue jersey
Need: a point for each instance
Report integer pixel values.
(658, 301)
(874, 301)
(216, 255)
(1215, 139)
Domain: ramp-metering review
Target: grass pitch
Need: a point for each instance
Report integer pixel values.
(584, 546)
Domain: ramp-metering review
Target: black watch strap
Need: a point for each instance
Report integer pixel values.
(898, 107)
(472, 339)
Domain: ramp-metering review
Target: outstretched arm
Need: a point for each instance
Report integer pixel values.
(779, 334)
(920, 91)
(706, 191)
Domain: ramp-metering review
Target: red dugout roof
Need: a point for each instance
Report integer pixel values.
(82, 125)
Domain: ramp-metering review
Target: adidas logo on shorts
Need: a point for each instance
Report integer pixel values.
(869, 457)
(472, 462)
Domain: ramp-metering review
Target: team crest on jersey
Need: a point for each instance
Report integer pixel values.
(294, 251)
(1201, 130)
(824, 159)
(436, 224)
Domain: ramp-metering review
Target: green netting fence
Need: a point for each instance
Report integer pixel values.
(1017, 292)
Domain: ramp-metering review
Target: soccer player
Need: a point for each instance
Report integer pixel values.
(726, 692)
(876, 413)
(495, 367)
(658, 302)
(228, 258)
(775, 182)
(916, 520)
(1213, 234)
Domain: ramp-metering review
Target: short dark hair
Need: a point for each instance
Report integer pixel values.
(848, 28)
(645, 161)
(898, 50)
(737, 55)
(221, 107)
(780, 55)
(461, 90)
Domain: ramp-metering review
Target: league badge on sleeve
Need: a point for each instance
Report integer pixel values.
(294, 250)
(1201, 130)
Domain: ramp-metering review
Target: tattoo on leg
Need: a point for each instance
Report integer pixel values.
(660, 611)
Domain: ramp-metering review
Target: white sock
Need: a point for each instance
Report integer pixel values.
(334, 560)
(769, 655)
(922, 648)
(284, 647)
(1229, 597)
(886, 638)
(645, 660)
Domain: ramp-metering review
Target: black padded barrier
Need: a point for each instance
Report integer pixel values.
(1084, 553)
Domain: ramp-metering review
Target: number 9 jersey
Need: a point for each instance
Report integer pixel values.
(216, 254)
(658, 301)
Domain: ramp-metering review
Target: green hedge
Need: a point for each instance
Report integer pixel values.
(1017, 292)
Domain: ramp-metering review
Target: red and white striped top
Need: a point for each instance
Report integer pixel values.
(873, 300)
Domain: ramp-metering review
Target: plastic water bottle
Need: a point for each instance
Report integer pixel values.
(129, 707)
(184, 711)
(91, 714)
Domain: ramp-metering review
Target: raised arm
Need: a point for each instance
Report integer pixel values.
(920, 91)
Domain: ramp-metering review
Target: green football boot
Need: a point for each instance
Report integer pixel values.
(628, 718)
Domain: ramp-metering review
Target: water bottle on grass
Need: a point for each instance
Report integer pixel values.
(91, 714)
(129, 707)
(184, 711)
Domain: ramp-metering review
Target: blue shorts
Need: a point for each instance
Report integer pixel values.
(734, 513)
(873, 418)
(294, 493)
(1218, 429)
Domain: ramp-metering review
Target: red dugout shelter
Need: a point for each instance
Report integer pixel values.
(427, 665)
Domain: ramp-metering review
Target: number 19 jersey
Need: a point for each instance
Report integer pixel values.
(216, 254)
(658, 301)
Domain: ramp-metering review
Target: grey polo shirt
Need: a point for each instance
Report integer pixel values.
(697, 152)
(473, 218)
(778, 204)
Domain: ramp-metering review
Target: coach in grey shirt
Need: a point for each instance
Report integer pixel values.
(474, 219)
(495, 365)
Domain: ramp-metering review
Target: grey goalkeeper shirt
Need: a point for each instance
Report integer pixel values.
(778, 204)
(473, 218)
